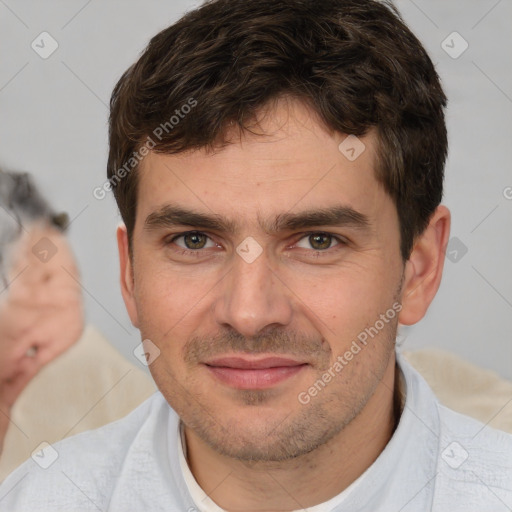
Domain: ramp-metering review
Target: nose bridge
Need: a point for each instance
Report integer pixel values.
(252, 297)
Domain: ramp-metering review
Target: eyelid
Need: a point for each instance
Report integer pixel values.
(175, 236)
(339, 238)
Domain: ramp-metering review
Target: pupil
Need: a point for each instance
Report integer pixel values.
(195, 241)
(320, 241)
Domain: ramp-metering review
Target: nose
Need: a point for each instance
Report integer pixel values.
(252, 298)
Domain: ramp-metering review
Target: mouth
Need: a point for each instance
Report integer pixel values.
(252, 373)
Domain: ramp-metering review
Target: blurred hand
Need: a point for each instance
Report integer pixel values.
(41, 311)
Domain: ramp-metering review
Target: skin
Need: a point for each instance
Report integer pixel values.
(263, 449)
(41, 313)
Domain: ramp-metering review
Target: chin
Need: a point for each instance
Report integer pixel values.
(264, 434)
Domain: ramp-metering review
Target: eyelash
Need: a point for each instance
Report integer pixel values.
(317, 253)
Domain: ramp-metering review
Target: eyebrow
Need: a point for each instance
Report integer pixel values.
(170, 216)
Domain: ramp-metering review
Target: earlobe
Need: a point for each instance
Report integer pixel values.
(126, 275)
(424, 269)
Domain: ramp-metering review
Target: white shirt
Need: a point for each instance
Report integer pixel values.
(204, 503)
(436, 461)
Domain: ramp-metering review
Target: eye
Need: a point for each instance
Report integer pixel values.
(319, 241)
(193, 241)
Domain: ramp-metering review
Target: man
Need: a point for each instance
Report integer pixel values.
(278, 165)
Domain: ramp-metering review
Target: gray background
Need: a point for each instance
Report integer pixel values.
(54, 125)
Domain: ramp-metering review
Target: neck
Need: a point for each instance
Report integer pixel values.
(307, 480)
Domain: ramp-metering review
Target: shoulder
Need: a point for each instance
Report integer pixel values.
(474, 463)
(78, 472)
(473, 460)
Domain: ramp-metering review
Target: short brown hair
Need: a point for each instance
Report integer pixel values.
(354, 62)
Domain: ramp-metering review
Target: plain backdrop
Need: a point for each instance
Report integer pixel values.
(54, 124)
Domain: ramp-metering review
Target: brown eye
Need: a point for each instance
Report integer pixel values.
(192, 241)
(195, 240)
(320, 241)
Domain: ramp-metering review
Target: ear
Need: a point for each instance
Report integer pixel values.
(127, 278)
(424, 268)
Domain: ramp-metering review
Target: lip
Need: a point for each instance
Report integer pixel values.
(250, 373)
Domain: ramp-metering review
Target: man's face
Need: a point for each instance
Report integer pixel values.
(254, 308)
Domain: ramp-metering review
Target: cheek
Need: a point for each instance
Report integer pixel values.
(166, 300)
(342, 306)
(346, 293)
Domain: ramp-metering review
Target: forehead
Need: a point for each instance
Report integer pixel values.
(292, 164)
